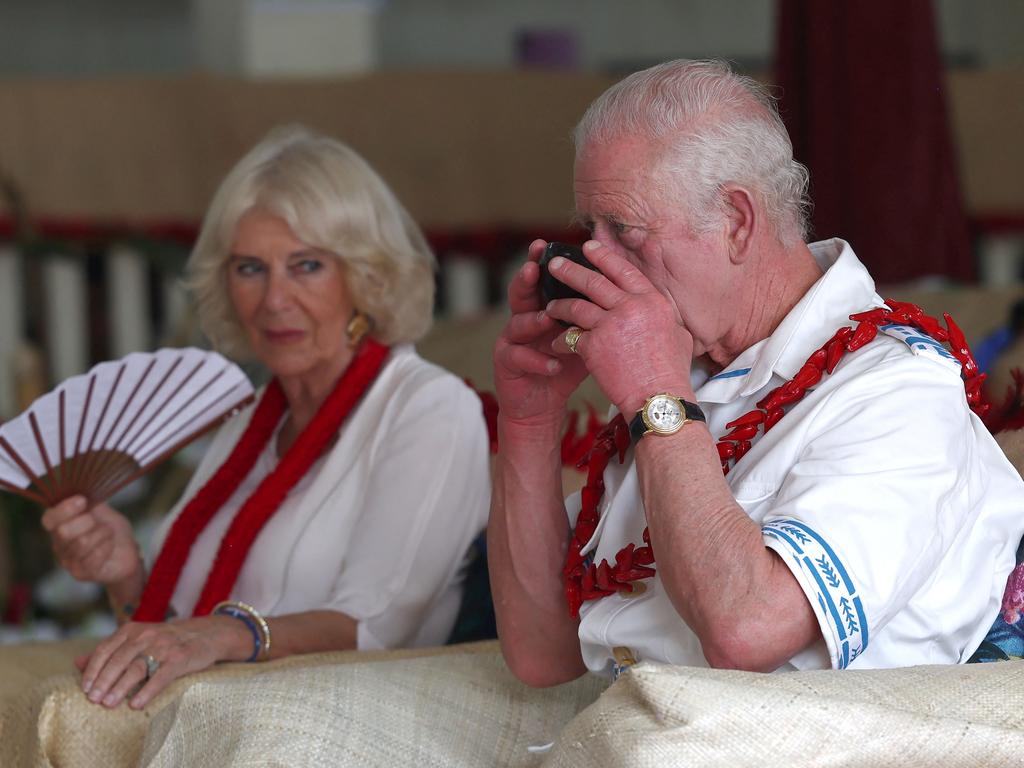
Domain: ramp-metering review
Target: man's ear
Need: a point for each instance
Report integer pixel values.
(741, 219)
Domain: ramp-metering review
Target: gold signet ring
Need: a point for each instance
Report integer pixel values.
(572, 337)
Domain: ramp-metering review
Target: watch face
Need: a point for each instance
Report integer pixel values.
(664, 414)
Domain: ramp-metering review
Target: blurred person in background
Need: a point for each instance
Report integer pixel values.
(1001, 351)
(333, 513)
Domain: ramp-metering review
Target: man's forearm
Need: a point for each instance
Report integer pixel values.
(527, 538)
(737, 596)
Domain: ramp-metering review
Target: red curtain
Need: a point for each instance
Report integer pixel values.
(863, 96)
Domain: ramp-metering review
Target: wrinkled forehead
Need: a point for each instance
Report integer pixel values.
(610, 176)
(627, 158)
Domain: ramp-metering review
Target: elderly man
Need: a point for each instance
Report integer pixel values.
(866, 519)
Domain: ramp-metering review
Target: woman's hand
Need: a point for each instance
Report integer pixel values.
(632, 342)
(93, 544)
(532, 383)
(115, 669)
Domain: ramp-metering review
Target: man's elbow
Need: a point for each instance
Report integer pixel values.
(540, 671)
(747, 653)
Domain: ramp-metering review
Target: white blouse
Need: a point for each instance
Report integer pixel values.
(379, 526)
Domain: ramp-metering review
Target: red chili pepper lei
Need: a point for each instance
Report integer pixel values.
(586, 581)
(773, 418)
(753, 417)
(836, 348)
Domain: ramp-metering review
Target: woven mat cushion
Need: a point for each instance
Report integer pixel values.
(46, 720)
(451, 710)
(464, 708)
(469, 711)
(941, 717)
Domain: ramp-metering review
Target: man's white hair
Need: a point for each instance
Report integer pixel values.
(714, 127)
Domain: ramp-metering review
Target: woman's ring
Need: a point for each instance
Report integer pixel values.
(572, 337)
(152, 665)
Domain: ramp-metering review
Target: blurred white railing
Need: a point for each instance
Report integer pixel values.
(1001, 259)
(11, 331)
(74, 309)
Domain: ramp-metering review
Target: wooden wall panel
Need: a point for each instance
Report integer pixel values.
(460, 149)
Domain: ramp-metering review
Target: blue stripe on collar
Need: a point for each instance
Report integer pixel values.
(730, 374)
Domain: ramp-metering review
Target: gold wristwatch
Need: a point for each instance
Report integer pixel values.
(663, 414)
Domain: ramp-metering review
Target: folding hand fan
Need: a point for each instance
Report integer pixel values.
(97, 432)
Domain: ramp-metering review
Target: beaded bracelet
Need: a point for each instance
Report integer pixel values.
(253, 620)
(245, 619)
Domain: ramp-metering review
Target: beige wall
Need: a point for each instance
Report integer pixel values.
(72, 37)
(461, 149)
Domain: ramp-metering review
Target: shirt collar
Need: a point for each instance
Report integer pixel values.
(844, 287)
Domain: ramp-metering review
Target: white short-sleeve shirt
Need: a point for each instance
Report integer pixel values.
(378, 527)
(894, 508)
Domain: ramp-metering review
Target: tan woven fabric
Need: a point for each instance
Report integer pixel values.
(460, 706)
(941, 717)
(46, 721)
(454, 710)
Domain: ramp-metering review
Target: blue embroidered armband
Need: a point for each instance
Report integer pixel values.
(922, 345)
(837, 595)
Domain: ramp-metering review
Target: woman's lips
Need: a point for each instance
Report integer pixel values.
(285, 336)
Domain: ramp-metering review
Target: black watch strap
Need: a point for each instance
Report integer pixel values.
(637, 427)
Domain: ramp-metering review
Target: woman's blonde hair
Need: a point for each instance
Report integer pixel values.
(333, 201)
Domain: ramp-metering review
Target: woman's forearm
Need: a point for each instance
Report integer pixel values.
(311, 632)
(124, 595)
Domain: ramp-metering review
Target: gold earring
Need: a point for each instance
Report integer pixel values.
(357, 328)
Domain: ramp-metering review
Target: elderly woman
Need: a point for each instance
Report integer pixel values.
(334, 513)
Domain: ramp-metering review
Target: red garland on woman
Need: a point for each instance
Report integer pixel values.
(267, 497)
